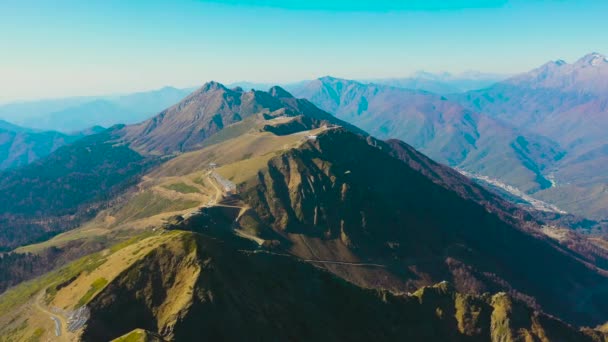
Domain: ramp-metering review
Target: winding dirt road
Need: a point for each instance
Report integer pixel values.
(59, 320)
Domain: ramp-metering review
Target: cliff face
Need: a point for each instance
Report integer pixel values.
(349, 198)
(196, 288)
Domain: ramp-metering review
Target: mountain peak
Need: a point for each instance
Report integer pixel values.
(560, 62)
(279, 92)
(212, 86)
(553, 64)
(330, 79)
(593, 59)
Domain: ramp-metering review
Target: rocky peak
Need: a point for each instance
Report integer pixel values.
(279, 92)
(212, 86)
(593, 59)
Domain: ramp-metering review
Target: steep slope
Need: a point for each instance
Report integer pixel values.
(384, 215)
(340, 197)
(186, 286)
(275, 298)
(440, 128)
(566, 103)
(208, 110)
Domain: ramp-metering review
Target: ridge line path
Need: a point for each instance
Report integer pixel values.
(344, 263)
(347, 263)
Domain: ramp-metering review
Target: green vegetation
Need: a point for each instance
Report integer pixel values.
(148, 204)
(231, 131)
(96, 286)
(53, 281)
(15, 330)
(138, 335)
(182, 188)
(36, 336)
(130, 241)
(189, 243)
(23, 292)
(133, 336)
(57, 192)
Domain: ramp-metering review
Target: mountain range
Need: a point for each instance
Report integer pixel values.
(538, 136)
(80, 113)
(20, 146)
(442, 83)
(444, 129)
(566, 103)
(438, 83)
(260, 210)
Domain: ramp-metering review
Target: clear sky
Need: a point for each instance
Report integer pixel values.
(66, 48)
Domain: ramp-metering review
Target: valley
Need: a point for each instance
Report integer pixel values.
(534, 203)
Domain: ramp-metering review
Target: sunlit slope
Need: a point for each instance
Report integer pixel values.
(31, 309)
(185, 286)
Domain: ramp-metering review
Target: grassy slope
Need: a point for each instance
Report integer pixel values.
(71, 286)
(198, 288)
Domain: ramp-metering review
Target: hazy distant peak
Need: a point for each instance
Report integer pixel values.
(279, 92)
(333, 79)
(560, 62)
(167, 88)
(593, 59)
(553, 64)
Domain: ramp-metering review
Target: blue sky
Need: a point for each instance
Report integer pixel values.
(66, 48)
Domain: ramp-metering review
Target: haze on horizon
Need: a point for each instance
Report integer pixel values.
(69, 48)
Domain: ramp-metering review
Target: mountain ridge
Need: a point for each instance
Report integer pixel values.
(443, 129)
(566, 103)
(208, 110)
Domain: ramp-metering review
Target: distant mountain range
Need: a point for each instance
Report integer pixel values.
(20, 146)
(438, 83)
(442, 83)
(79, 113)
(541, 132)
(441, 128)
(567, 103)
